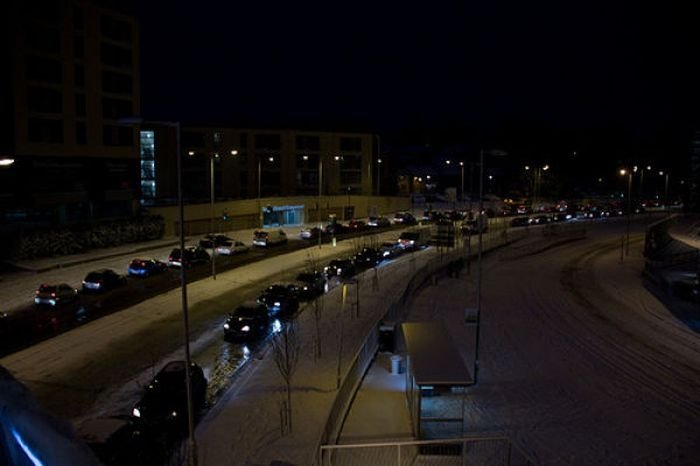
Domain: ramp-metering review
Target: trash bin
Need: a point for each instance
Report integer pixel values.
(396, 364)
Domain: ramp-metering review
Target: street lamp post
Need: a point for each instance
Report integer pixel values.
(320, 189)
(480, 220)
(624, 172)
(479, 269)
(666, 205)
(379, 177)
(461, 169)
(191, 454)
(260, 213)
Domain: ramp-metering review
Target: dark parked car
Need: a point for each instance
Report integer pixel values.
(250, 321)
(341, 268)
(55, 294)
(378, 222)
(279, 300)
(311, 233)
(146, 267)
(193, 255)
(356, 225)
(471, 227)
(367, 258)
(544, 219)
(520, 222)
(212, 241)
(309, 285)
(337, 229)
(103, 280)
(164, 402)
(405, 218)
(390, 249)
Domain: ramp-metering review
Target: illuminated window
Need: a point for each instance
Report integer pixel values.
(148, 166)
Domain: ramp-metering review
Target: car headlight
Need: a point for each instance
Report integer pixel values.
(277, 304)
(226, 326)
(136, 412)
(173, 414)
(245, 328)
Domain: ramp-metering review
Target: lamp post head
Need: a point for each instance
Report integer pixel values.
(623, 172)
(191, 152)
(546, 167)
(379, 160)
(234, 152)
(447, 162)
(270, 159)
(461, 164)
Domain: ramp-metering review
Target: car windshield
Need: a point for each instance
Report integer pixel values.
(306, 277)
(138, 264)
(247, 312)
(47, 288)
(94, 276)
(261, 234)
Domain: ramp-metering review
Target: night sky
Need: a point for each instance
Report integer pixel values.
(600, 78)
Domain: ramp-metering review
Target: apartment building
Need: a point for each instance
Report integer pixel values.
(74, 72)
(250, 163)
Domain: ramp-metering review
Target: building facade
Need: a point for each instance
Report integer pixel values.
(254, 163)
(74, 72)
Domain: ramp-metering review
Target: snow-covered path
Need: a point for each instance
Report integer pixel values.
(580, 363)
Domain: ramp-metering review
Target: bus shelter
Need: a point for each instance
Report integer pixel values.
(436, 380)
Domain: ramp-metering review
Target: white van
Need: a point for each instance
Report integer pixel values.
(269, 237)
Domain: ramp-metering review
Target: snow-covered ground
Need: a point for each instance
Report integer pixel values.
(580, 363)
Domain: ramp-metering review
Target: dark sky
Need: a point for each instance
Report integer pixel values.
(572, 68)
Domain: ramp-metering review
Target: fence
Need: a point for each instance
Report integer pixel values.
(482, 450)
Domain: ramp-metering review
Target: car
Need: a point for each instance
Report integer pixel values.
(378, 222)
(103, 280)
(54, 295)
(212, 241)
(544, 219)
(310, 285)
(250, 321)
(471, 227)
(279, 300)
(336, 228)
(311, 233)
(115, 440)
(367, 258)
(520, 222)
(405, 218)
(390, 249)
(164, 401)
(413, 240)
(193, 255)
(340, 268)
(264, 238)
(232, 247)
(146, 267)
(356, 225)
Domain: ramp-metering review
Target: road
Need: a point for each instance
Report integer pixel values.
(101, 367)
(581, 363)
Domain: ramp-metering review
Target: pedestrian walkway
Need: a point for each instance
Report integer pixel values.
(379, 411)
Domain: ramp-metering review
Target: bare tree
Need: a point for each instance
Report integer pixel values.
(285, 348)
(318, 312)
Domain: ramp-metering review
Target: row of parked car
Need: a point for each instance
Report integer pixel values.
(253, 320)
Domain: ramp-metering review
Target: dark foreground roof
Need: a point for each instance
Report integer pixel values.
(434, 358)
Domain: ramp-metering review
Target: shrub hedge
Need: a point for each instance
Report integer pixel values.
(76, 239)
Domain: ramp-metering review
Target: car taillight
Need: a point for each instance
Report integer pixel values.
(53, 295)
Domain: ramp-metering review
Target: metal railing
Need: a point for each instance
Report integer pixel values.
(482, 450)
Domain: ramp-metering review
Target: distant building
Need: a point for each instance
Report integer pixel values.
(73, 73)
(250, 163)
